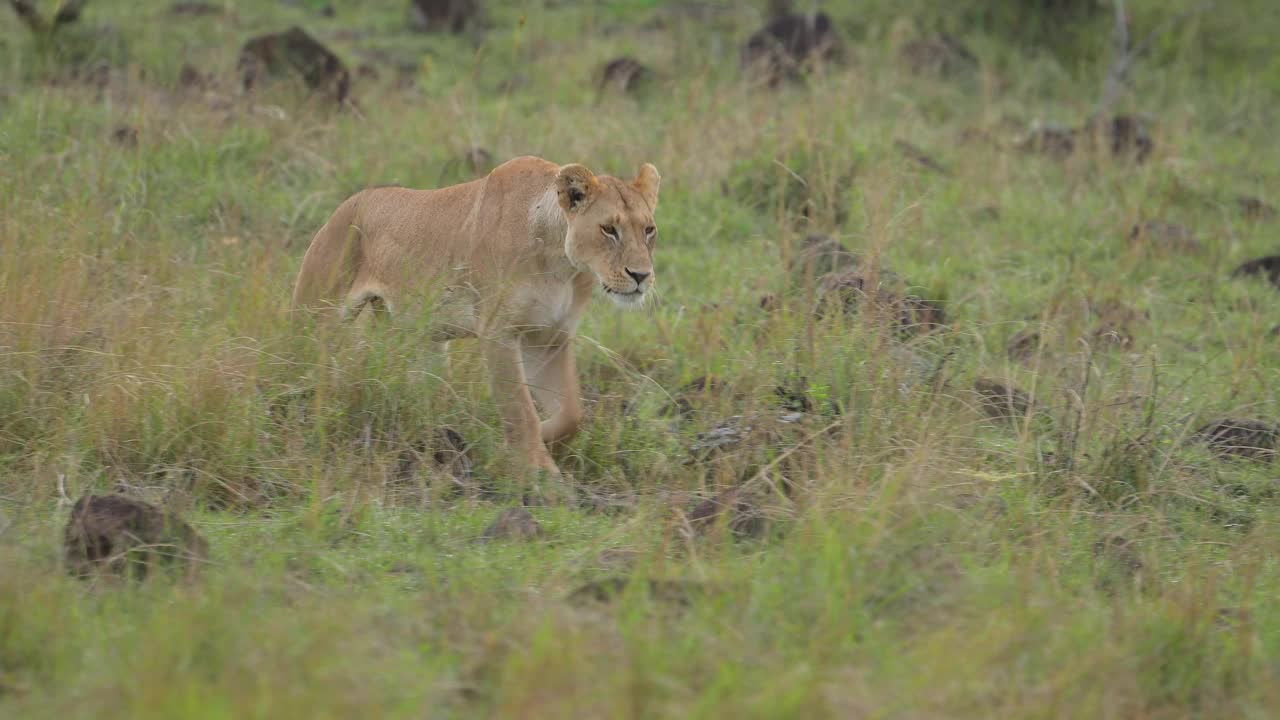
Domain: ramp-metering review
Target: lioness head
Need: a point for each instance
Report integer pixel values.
(611, 229)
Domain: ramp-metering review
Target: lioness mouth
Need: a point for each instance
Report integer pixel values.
(629, 296)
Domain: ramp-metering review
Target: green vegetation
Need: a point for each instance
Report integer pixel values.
(921, 559)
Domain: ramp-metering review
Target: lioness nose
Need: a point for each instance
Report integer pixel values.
(638, 275)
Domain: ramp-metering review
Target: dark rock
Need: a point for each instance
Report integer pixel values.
(1052, 140)
(1116, 325)
(452, 452)
(123, 536)
(1241, 438)
(190, 77)
(1232, 618)
(742, 517)
(821, 255)
(1268, 267)
(768, 432)
(1164, 236)
(294, 53)
(941, 55)
(623, 74)
(449, 455)
(855, 290)
(1119, 553)
(673, 592)
(1024, 345)
(727, 434)
(327, 10)
(125, 136)
(453, 16)
(985, 213)
(1000, 401)
(195, 9)
(514, 523)
(788, 45)
(920, 157)
(690, 396)
(621, 559)
(1126, 136)
(1255, 208)
(793, 395)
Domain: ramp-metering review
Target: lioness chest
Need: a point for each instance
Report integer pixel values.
(550, 308)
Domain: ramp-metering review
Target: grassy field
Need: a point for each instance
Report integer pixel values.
(916, 556)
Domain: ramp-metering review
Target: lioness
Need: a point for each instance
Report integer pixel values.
(510, 259)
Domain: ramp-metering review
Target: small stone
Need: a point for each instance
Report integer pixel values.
(1024, 345)
(941, 55)
(125, 136)
(515, 523)
(985, 213)
(1165, 236)
(449, 456)
(1001, 401)
(190, 78)
(624, 75)
(1116, 325)
(742, 517)
(691, 395)
(1255, 209)
(727, 434)
(1051, 140)
(920, 157)
(673, 592)
(821, 255)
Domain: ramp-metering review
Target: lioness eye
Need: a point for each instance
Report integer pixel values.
(650, 230)
(609, 230)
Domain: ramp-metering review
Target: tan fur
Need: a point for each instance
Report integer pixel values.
(511, 259)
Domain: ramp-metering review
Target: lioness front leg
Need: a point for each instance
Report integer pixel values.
(515, 404)
(553, 378)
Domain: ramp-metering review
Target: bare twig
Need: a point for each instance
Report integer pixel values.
(1120, 68)
(1126, 55)
(63, 497)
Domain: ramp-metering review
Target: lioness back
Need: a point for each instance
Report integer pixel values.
(382, 241)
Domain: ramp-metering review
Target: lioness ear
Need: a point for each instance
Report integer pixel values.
(576, 187)
(647, 181)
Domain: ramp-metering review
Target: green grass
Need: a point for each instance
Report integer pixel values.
(1084, 562)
